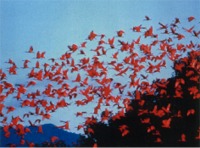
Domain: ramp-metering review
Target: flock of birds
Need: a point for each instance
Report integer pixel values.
(105, 76)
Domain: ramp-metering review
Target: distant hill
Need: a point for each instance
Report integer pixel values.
(49, 130)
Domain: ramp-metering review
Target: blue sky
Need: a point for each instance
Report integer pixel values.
(52, 25)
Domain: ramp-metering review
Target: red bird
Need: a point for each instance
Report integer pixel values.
(83, 45)
(166, 123)
(189, 30)
(147, 18)
(73, 48)
(78, 78)
(53, 139)
(10, 109)
(138, 28)
(40, 55)
(40, 130)
(26, 63)
(30, 49)
(111, 42)
(149, 32)
(65, 126)
(92, 36)
(191, 18)
(120, 33)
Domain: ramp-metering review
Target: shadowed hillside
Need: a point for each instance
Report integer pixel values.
(41, 139)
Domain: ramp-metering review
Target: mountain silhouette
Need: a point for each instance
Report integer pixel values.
(49, 130)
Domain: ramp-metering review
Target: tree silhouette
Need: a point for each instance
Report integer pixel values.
(167, 117)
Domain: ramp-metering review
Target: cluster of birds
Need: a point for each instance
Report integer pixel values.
(106, 75)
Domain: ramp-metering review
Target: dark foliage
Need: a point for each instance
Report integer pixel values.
(167, 117)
